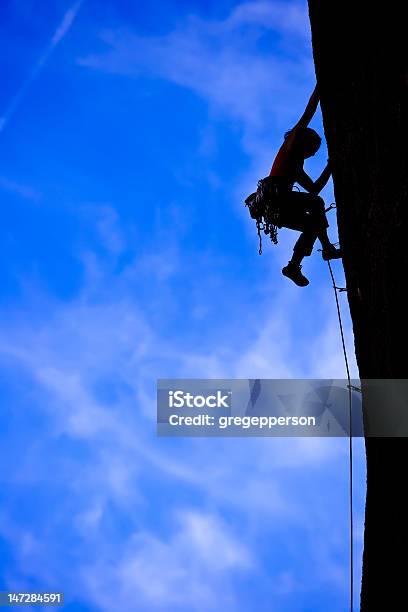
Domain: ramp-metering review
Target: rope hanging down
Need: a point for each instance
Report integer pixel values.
(350, 389)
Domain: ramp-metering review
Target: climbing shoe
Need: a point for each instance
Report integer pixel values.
(293, 272)
(331, 253)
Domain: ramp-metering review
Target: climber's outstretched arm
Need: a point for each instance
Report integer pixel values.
(311, 186)
(309, 110)
(305, 118)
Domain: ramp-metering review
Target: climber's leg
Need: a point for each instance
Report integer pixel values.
(323, 238)
(302, 211)
(302, 248)
(293, 217)
(305, 212)
(304, 245)
(318, 220)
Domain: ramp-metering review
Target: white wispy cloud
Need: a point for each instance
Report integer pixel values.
(20, 189)
(285, 18)
(191, 568)
(61, 31)
(218, 60)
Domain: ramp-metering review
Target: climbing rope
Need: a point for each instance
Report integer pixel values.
(350, 390)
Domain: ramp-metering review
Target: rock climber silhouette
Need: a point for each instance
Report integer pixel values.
(302, 211)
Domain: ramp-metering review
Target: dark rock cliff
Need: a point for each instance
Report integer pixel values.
(360, 55)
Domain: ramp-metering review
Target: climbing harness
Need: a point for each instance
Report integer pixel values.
(262, 205)
(263, 208)
(351, 388)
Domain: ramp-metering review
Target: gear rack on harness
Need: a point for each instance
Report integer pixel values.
(263, 209)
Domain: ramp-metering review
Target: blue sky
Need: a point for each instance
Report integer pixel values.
(131, 135)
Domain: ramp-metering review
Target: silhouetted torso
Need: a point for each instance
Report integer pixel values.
(287, 164)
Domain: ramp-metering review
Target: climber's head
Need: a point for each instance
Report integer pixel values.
(307, 141)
